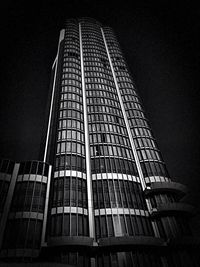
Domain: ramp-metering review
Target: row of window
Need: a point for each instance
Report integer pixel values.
(98, 117)
(148, 154)
(69, 191)
(104, 109)
(70, 147)
(170, 227)
(158, 199)
(97, 86)
(138, 122)
(144, 142)
(105, 127)
(129, 91)
(123, 79)
(133, 112)
(70, 113)
(98, 73)
(141, 131)
(71, 59)
(22, 233)
(34, 167)
(95, 69)
(117, 193)
(69, 225)
(69, 69)
(70, 135)
(126, 85)
(71, 82)
(152, 168)
(88, 62)
(70, 96)
(109, 138)
(71, 89)
(113, 165)
(71, 64)
(103, 101)
(102, 93)
(99, 80)
(72, 51)
(71, 123)
(71, 105)
(106, 150)
(135, 258)
(29, 196)
(120, 225)
(69, 75)
(70, 162)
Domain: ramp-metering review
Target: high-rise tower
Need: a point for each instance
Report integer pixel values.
(109, 200)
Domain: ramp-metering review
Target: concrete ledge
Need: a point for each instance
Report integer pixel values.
(174, 208)
(172, 187)
(131, 240)
(70, 241)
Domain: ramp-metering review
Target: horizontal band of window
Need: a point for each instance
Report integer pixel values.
(32, 177)
(68, 152)
(111, 156)
(69, 173)
(151, 160)
(115, 211)
(152, 179)
(13, 253)
(119, 176)
(26, 215)
(59, 210)
(5, 176)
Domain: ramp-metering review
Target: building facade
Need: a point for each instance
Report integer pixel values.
(101, 196)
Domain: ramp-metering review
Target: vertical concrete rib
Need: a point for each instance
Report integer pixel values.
(43, 242)
(62, 34)
(87, 145)
(141, 176)
(125, 117)
(8, 201)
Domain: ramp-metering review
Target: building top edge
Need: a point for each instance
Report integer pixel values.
(84, 20)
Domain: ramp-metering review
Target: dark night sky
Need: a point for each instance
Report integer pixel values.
(161, 44)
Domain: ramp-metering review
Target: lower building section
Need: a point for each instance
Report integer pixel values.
(45, 218)
(123, 256)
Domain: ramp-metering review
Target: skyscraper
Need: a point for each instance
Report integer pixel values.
(101, 195)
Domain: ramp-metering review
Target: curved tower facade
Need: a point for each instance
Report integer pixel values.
(110, 187)
(111, 201)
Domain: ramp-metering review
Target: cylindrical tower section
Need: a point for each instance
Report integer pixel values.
(161, 193)
(120, 209)
(69, 208)
(23, 232)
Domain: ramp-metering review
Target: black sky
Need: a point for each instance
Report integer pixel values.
(160, 41)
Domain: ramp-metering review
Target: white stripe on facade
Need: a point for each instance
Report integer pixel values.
(125, 117)
(137, 212)
(68, 173)
(87, 145)
(154, 179)
(117, 176)
(62, 34)
(5, 177)
(26, 215)
(60, 210)
(32, 177)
